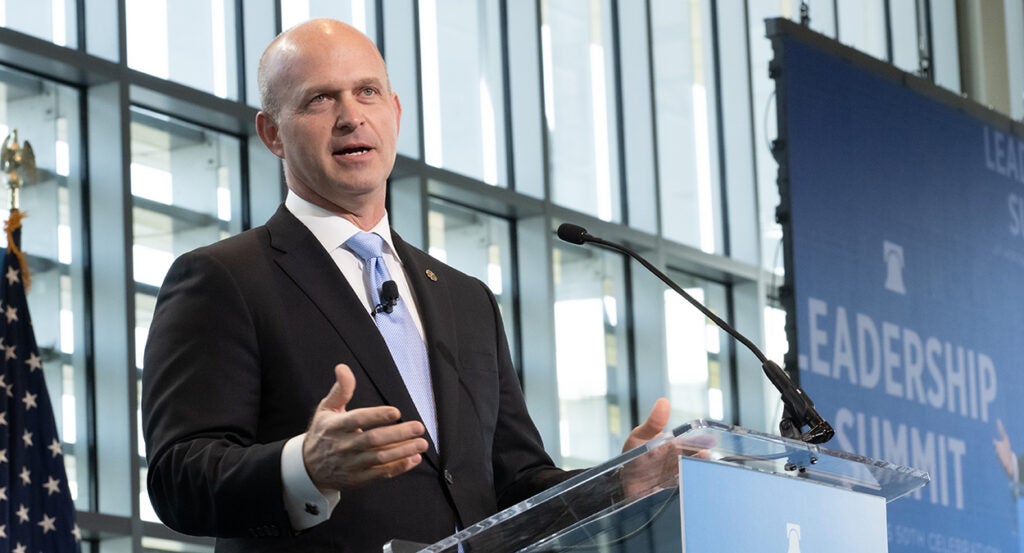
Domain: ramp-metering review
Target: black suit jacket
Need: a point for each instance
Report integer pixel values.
(242, 347)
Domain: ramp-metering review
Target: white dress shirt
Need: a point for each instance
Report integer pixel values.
(307, 505)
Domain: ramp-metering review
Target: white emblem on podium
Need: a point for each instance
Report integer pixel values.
(793, 532)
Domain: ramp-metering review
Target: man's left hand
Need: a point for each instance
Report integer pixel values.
(658, 468)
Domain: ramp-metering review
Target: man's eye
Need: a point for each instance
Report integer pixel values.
(369, 91)
(318, 98)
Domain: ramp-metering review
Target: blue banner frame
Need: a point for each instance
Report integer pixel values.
(902, 208)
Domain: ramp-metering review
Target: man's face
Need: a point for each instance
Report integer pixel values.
(337, 127)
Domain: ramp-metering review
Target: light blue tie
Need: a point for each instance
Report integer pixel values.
(399, 330)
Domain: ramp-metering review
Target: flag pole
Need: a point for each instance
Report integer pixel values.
(15, 160)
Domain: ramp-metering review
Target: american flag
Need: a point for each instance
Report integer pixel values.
(36, 511)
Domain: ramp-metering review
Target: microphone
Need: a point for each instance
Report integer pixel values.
(388, 297)
(799, 409)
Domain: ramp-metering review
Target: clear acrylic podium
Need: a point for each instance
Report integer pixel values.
(656, 498)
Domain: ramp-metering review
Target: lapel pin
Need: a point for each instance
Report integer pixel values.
(431, 275)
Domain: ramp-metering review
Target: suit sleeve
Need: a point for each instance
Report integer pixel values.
(208, 472)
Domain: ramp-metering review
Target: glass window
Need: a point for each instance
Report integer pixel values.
(186, 183)
(45, 116)
(905, 35)
(579, 106)
(188, 41)
(862, 26)
(738, 150)
(591, 355)
(945, 51)
(527, 147)
(479, 245)
(358, 13)
(462, 88)
(822, 20)
(696, 350)
(56, 20)
(765, 130)
(684, 94)
(775, 347)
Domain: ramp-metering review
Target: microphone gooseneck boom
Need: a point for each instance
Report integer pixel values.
(799, 409)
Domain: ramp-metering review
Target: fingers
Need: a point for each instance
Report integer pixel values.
(358, 420)
(1002, 430)
(385, 462)
(656, 420)
(339, 457)
(341, 392)
(652, 427)
(345, 448)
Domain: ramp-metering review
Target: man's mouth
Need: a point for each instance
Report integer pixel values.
(354, 151)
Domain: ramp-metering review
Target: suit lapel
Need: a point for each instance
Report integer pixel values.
(434, 303)
(304, 260)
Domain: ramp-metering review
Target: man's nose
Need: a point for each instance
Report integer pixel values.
(349, 113)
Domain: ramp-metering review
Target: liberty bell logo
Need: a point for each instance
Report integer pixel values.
(793, 532)
(893, 255)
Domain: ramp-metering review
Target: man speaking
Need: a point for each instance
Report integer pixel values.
(316, 383)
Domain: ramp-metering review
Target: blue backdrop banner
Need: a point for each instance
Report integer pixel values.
(903, 216)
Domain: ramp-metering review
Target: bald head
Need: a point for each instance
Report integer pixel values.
(289, 47)
(330, 115)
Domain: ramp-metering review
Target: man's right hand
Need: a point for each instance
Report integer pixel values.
(346, 449)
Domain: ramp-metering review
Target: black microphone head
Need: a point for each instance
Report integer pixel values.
(388, 298)
(574, 234)
(389, 292)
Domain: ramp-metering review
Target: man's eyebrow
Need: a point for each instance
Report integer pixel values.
(370, 81)
(317, 88)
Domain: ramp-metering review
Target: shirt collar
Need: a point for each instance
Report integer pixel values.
(331, 230)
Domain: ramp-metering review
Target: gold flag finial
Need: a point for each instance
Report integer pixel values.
(16, 160)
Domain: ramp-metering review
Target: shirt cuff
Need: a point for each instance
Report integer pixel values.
(306, 504)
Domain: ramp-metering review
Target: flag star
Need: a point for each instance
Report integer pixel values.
(34, 362)
(3, 455)
(26, 476)
(11, 313)
(3, 493)
(3, 530)
(77, 533)
(27, 436)
(47, 524)
(9, 352)
(29, 400)
(19, 549)
(12, 275)
(3, 418)
(55, 447)
(22, 513)
(52, 486)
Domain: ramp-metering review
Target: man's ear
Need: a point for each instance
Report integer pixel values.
(398, 111)
(269, 133)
